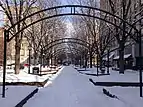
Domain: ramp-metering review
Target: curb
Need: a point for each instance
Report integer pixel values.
(111, 84)
(21, 103)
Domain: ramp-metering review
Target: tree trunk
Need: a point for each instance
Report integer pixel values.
(90, 59)
(80, 62)
(17, 56)
(35, 58)
(86, 60)
(101, 62)
(47, 61)
(121, 60)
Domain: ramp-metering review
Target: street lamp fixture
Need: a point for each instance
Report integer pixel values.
(29, 48)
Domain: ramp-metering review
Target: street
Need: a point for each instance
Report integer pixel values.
(72, 89)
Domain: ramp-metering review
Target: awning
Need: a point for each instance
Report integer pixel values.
(125, 56)
(110, 56)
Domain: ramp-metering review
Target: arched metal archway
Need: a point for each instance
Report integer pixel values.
(73, 52)
(66, 48)
(72, 11)
(67, 40)
(64, 51)
(49, 46)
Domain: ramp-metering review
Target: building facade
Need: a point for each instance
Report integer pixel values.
(1, 45)
(131, 51)
(24, 51)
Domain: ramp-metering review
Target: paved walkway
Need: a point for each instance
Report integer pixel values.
(71, 89)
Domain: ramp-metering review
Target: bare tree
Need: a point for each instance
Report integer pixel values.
(122, 8)
(100, 42)
(43, 32)
(14, 11)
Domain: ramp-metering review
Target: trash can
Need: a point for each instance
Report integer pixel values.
(35, 70)
(102, 69)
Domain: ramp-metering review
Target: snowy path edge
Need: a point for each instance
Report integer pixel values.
(21, 103)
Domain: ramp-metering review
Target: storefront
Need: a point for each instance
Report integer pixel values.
(128, 61)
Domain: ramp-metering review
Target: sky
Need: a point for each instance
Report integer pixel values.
(64, 1)
(1, 18)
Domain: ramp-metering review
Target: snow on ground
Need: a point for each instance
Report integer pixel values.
(128, 95)
(14, 94)
(72, 89)
(128, 76)
(24, 76)
(69, 88)
(53, 77)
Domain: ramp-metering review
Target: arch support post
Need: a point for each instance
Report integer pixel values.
(6, 37)
(140, 53)
(140, 64)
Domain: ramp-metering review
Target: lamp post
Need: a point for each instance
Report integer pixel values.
(29, 48)
(97, 65)
(41, 56)
(43, 61)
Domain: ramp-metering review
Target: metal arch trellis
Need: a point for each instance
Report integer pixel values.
(61, 42)
(64, 40)
(67, 40)
(72, 9)
(60, 50)
(73, 52)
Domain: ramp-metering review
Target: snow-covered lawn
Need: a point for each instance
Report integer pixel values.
(14, 94)
(128, 76)
(23, 76)
(127, 95)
